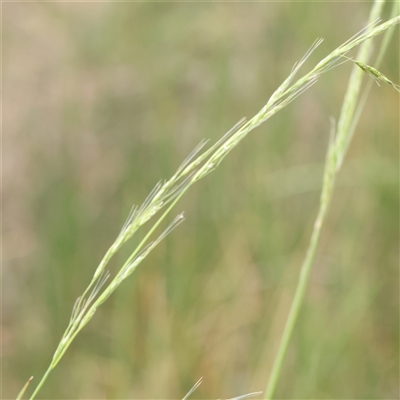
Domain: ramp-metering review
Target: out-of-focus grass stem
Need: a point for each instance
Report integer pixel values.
(338, 146)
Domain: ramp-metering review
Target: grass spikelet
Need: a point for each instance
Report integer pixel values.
(376, 75)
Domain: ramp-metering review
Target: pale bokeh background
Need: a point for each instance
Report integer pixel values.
(102, 100)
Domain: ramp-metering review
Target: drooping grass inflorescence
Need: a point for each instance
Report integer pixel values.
(376, 75)
(197, 165)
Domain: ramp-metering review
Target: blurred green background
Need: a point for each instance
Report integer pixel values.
(100, 102)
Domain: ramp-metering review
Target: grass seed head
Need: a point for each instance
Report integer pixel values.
(376, 75)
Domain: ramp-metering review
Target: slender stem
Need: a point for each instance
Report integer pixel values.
(296, 304)
(42, 381)
(336, 153)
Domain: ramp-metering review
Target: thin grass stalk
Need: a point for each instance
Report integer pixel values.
(336, 152)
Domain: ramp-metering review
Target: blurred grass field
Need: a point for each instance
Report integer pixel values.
(100, 102)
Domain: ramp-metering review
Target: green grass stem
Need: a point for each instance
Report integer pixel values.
(337, 149)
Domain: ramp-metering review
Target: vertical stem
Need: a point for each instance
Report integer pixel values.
(296, 304)
(335, 154)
